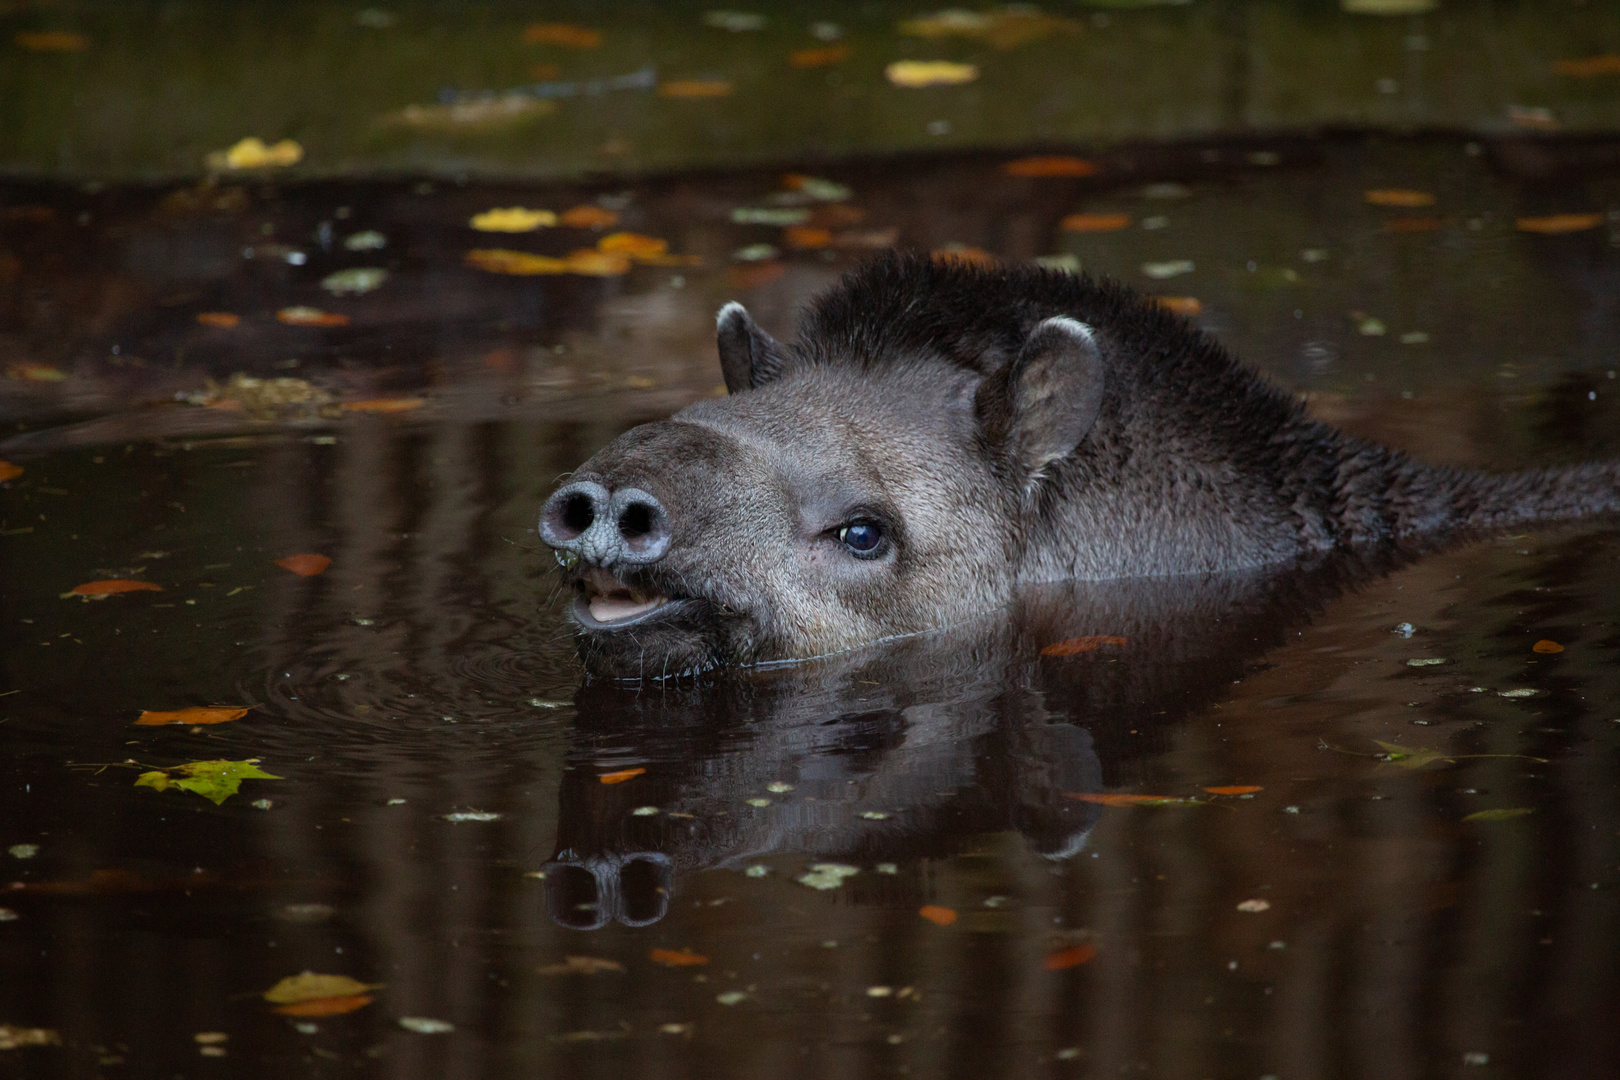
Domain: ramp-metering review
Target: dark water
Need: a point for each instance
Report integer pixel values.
(1347, 917)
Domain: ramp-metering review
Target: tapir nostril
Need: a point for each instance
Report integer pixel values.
(636, 521)
(642, 524)
(578, 512)
(570, 512)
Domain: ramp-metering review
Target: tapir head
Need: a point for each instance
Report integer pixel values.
(843, 493)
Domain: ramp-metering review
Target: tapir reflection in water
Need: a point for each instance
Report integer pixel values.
(939, 435)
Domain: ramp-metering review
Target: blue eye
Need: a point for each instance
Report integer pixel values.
(861, 537)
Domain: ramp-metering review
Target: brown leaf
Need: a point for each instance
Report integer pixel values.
(581, 965)
(110, 588)
(1398, 197)
(1051, 166)
(671, 958)
(806, 236)
(569, 37)
(224, 320)
(620, 776)
(305, 565)
(384, 405)
(588, 217)
(325, 1006)
(1546, 647)
(694, 88)
(1559, 223)
(1588, 67)
(1073, 956)
(939, 916)
(809, 58)
(1235, 789)
(201, 714)
(8, 471)
(1074, 646)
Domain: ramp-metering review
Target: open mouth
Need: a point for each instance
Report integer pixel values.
(605, 602)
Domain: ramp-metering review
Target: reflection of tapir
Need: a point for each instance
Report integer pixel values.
(905, 749)
(940, 435)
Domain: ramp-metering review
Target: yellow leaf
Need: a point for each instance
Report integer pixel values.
(919, 73)
(307, 986)
(254, 153)
(512, 219)
(632, 244)
(1546, 647)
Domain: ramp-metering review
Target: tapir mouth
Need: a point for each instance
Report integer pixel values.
(606, 603)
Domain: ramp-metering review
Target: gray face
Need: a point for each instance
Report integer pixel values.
(826, 509)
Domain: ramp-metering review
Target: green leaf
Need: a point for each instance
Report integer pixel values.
(1502, 814)
(1410, 757)
(215, 781)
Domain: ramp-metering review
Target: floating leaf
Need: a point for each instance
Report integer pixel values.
(223, 320)
(1559, 223)
(1521, 692)
(384, 405)
(827, 875)
(201, 714)
(310, 316)
(426, 1025)
(1402, 197)
(1074, 646)
(731, 997)
(1389, 7)
(215, 781)
(563, 34)
(1588, 67)
(35, 373)
(683, 958)
(1180, 305)
(1122, 799)
(9, 471)
(305, 565)
(458, 816)
(1502, 814)
(1255, 906)
(326, 1006)
(620, 776)
(822, 57)
(695, 88)
(308, 986)
(480, 115)
(1073, 956)
(1158, 271)
(634, 245)
(939, 916)
(1087, 223)
(520, 263)
(1235, 789)
(512, 219)
(920, 73)
(805, 236)
(112, 588)
(1050, 166)
(355, 280)
(769, 215)
(366, 240)
(817, 188)
(254, 153)
(1410, 757)
(588, 217)
(52, 41)
(1007, 28)
(581, 965)
(1546, 647)
(13, 1038)
(1426, 661)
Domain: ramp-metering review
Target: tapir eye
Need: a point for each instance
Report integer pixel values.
(863, 538)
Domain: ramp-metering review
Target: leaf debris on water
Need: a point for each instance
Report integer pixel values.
(939, 916)
(1426, 661)
(308, 985)
(512, 219)
(827, 875)
(620, 776)
(198, 715)
(681, 958)
(921, 73)
(305, 565)
(426, 1025)
(23, 851)
(1073, 956)
(731, 997)
(1501, 814)
(472, 815)
(13, 1038)
(581, 965)
(355, 280)
(1255, 905)
(215, 781)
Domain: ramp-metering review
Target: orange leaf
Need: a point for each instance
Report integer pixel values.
(1121, 799)
(1588, 67)
(1181, 305)
(305, 565)
(1412, 224)
(1073, 956)
(117, 585)
(806, 236)
(308, 316)
(1235, 789)
(590, 262)
(809, 58)
(384, 405)
(201, 714)
(939, 916)
(326, 1006)
(1051, 166)
(632, 244)
(588, 217)
(8, 471)
(1095, 222)
(694, 88)
(671, 958)
(1082, 645)
(1398, 197)
(1559, 223)
(621, 776)
(753, 275)
(222, 319)
(962, 253)
(53, 41)
(521, 263)
(1546, 646)
(569, 37)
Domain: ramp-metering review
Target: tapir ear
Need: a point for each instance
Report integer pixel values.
(749, 357)
(1045, 401)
